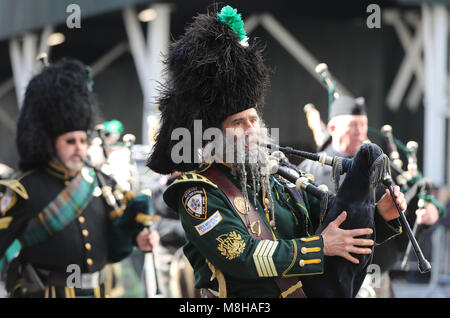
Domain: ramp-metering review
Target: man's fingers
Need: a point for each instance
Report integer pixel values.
(359, 250)
(363, 242)
(350, 258)
(360, 232)
(340, 219)
(420, 215)
(399, 198)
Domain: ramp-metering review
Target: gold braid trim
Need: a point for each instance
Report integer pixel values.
(192, 177)
(217, 274)
(15, 186)
(291, 289)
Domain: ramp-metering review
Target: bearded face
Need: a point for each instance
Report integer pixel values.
(241, 144)
(242, 147)
(70, 150)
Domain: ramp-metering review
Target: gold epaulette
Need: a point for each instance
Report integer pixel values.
(186, 179)
(15, 186)
(192, 177)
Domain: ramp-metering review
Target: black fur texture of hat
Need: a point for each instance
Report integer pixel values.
(57, 101)
(211, 76)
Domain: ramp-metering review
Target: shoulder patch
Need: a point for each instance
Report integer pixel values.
(209, 224)
(185, 181)
(15, 186)
(7, 201)
(195, 202)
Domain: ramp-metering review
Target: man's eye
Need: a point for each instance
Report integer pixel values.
(71, 141)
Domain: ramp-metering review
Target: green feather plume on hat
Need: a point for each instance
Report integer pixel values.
(230, 17)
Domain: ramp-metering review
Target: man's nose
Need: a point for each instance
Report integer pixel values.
(79, 145)
(249, 126)
(359, 130)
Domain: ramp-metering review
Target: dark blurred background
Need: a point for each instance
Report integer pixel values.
(362, 59)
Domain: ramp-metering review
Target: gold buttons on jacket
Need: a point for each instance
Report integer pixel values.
(89, 261)
(301, 263)
(81, 219)
(309, 239)
(85, 232)
(266, 201)
(304, 250)
(88, 246)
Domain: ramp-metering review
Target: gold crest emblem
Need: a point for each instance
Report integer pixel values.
(255, 227)
(239, 204)
(231, 245)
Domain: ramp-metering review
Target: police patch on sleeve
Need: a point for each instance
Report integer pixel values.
(209, 224)
(195, 202)
(7, 201)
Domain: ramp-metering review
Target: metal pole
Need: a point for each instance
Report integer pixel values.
(148, 56)
(158, 44)
(435, 32)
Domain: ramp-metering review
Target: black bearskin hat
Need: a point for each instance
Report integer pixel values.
(57, 100)
(213, 73)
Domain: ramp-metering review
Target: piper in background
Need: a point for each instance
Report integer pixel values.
(66, 234)
(347, 127)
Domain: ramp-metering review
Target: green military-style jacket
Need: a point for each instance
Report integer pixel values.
(89, 237)
(215, 232)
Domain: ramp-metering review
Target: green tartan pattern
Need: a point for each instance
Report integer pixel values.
(66, 207)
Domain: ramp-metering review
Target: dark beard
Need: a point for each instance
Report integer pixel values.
(249, 161)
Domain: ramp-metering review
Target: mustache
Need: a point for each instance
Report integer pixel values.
(76, 155)
(246, 149)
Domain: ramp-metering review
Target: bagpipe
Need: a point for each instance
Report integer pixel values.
(327, 80)
(317, 126)
(127, 207)
(411, 181)
(114, 192)
(118, 160)
(364, 172)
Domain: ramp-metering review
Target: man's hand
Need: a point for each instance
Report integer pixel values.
(427, 216)
(147, 240)
(339, 242)
(386, 206)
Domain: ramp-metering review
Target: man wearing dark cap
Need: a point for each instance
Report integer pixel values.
(247, 234)
(56, 231)
(347, 127)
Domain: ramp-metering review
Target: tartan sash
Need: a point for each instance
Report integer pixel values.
(66, 207)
